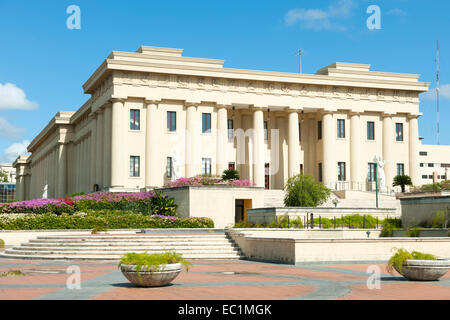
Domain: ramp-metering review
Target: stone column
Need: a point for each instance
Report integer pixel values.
(414, 150)
(151, 146)
(258, 147)
(98, 150)
(355, 151)
(221, 140)
(329, 165)
(106, 160)
(311, 168)
(281, 177)
(62, 171)
(94, 148)
(388, 146)
(117, 164)
(193, 163)
(293, 143)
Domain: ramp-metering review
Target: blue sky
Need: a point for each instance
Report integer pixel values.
(43, 64)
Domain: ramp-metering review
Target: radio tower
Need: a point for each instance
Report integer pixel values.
(437, 89)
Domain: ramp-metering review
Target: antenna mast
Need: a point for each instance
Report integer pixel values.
(437, 90)
(299, 54)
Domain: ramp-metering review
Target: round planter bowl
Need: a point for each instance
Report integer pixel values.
(163, 275)
(424, 270)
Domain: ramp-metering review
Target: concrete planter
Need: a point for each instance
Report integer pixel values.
(424, 270)
(163, 275)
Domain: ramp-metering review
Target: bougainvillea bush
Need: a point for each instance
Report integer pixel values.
(107, 219)
(206, 181)
(146, 203)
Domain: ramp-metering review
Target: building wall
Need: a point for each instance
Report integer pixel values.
(92, 146)
(434, 163)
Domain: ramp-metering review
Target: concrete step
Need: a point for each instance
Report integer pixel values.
(129, 245)
(129, 241)
(49, 251)
(127, 249)
(143, 237)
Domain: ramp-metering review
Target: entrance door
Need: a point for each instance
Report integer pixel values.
(239, 211)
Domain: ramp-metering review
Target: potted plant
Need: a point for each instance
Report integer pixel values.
(418, 266)
(152, 270)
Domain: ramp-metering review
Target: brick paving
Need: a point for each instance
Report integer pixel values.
(216, 280)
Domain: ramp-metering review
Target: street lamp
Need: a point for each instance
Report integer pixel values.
(375, 160)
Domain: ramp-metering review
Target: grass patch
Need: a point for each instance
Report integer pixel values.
(12, 273)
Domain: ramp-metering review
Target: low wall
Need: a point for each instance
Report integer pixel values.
(267, 215)
(215, 202)
(425, 233)
(264, 247)
(416, 209)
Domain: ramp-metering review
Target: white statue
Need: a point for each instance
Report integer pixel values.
(45, 194)
(175, 166)
(380, 172)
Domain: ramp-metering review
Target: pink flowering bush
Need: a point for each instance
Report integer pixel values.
(205, 181)
(56, 206)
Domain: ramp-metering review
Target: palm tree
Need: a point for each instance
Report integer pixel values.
(402, 180)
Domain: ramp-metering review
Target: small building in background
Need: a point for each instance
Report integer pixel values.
(7, 183)
(434, 163)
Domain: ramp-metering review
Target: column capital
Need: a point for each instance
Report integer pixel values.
(117, 99)
(191, 103)
(223, 106)
(293, 109)
(388, 114)
(414, 115)
(354, 113)
(258, 107)
(151, 100)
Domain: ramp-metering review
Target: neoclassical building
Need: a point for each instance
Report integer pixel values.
(154, 115)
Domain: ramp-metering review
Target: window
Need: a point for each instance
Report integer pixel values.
(301, 168)
(424, 176)
(421, 165)
(169, 167)
(171, 121)
(135, 119)
(206, 122)
(370, 130)
(134, 166)
(430, 165)
(400, 169)
(266, 132)
(371, 173)
(206, 166)
(423, 153)
(231, 166)
(341, 128)
(319, 130)
(341, 171)
(399, 132)
(299, 132)
(230, 129)
(430, 176)
(320, 172)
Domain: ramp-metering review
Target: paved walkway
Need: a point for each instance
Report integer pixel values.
(215, 280)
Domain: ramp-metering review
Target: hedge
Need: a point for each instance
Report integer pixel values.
(109, 219)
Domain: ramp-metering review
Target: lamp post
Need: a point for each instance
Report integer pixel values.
(376, 180)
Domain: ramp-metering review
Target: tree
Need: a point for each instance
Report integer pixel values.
(304, 191)
(230, 175)
(402, 180)
(3, 176)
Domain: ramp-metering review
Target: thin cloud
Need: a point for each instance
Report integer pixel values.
(319, 19)
(14, 98)
(444, 93)
(14, 150)
(396, 12)
(9, 131)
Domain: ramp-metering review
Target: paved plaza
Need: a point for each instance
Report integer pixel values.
(215, 280)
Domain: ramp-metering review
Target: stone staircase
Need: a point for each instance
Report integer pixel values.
(112, 247)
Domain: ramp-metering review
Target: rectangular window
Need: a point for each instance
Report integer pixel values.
(319, 130)
(266, 132)
(169, 167)
(424, 177)
(421, 165)
(135, 119)
(423, 153)
(341, 128)
(230, 129)
(320, 172)
(341, 171)
(206, 122)
(371, 173)
(206, 166)
(134, 166)
(399, 132)
(400, 169)
(370, 130)
(171, 121)
(430, 165)
(231, 166)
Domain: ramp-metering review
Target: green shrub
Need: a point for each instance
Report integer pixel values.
(304, 191)
(2, 243)
(151, 262)
(77, 194)
(230, 174)
(440, 219)
(431, 187)
(162, 205)
(445, 185)
(413, 232)
(401, 255)
(110, 219)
